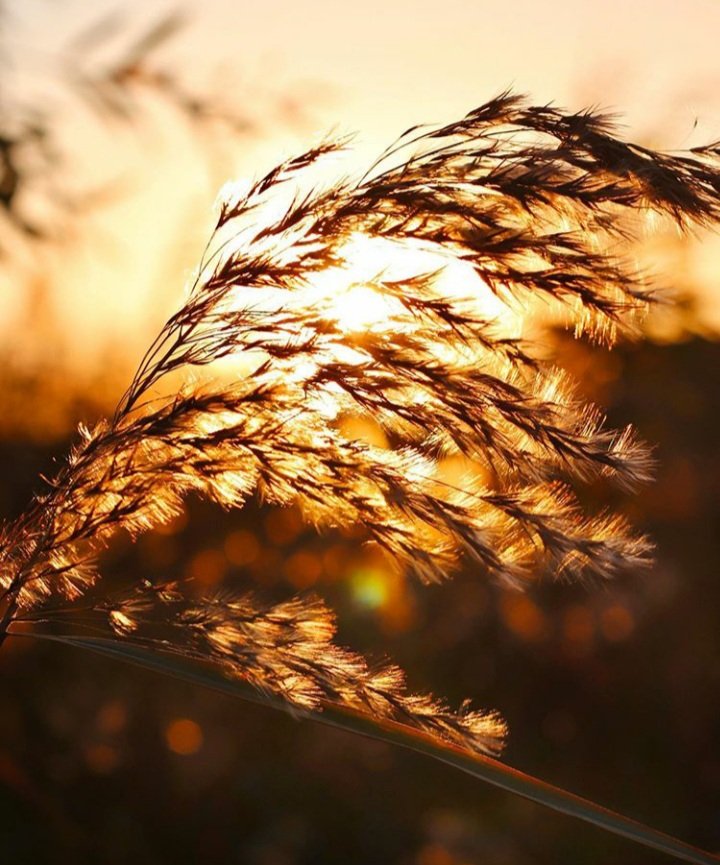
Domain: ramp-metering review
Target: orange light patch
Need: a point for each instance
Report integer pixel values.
(303, 569)
(617, 623)
(578, 627)
(112, 717)
(101, 759)
(184, 737)
(241, 548)
(335, 562)
(523, 617)
(283, 526)
(364, 429)
(208, 567)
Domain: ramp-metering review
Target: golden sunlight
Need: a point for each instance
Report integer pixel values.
(350, 293)
(358, 300)
(362, 308)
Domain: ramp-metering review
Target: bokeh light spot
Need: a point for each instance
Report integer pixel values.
(184, 736)
(369, 588)
(282, 526)
(617, 623)
(101, 759)
(303, 569)
(112, 717)
(208, 567)
(523, 617)
(578, 628)
(242, 548)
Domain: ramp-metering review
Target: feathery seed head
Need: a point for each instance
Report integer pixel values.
(404, 296)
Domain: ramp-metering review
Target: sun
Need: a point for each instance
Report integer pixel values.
(362, 308)
(350, 293)
(354, 294)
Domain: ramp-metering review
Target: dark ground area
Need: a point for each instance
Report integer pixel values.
(609, 691)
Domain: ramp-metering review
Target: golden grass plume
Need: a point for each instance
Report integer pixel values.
(365, 296)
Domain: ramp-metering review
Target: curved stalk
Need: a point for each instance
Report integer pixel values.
(479, 766)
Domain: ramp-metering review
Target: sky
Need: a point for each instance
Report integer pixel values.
(391, 63)
(301, 69)
(380, 65)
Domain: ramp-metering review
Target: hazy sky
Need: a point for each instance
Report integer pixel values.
(380, 65)
(392, 62)
(375, 67)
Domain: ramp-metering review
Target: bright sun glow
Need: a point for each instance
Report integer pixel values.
(347, 291)
(356, 294)
(356, 301)
(362, 308)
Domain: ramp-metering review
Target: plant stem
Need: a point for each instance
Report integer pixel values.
(479, 766)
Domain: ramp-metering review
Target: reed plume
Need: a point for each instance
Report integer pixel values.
(383, 296)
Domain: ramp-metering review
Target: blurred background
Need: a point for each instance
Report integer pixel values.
(119, 122)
